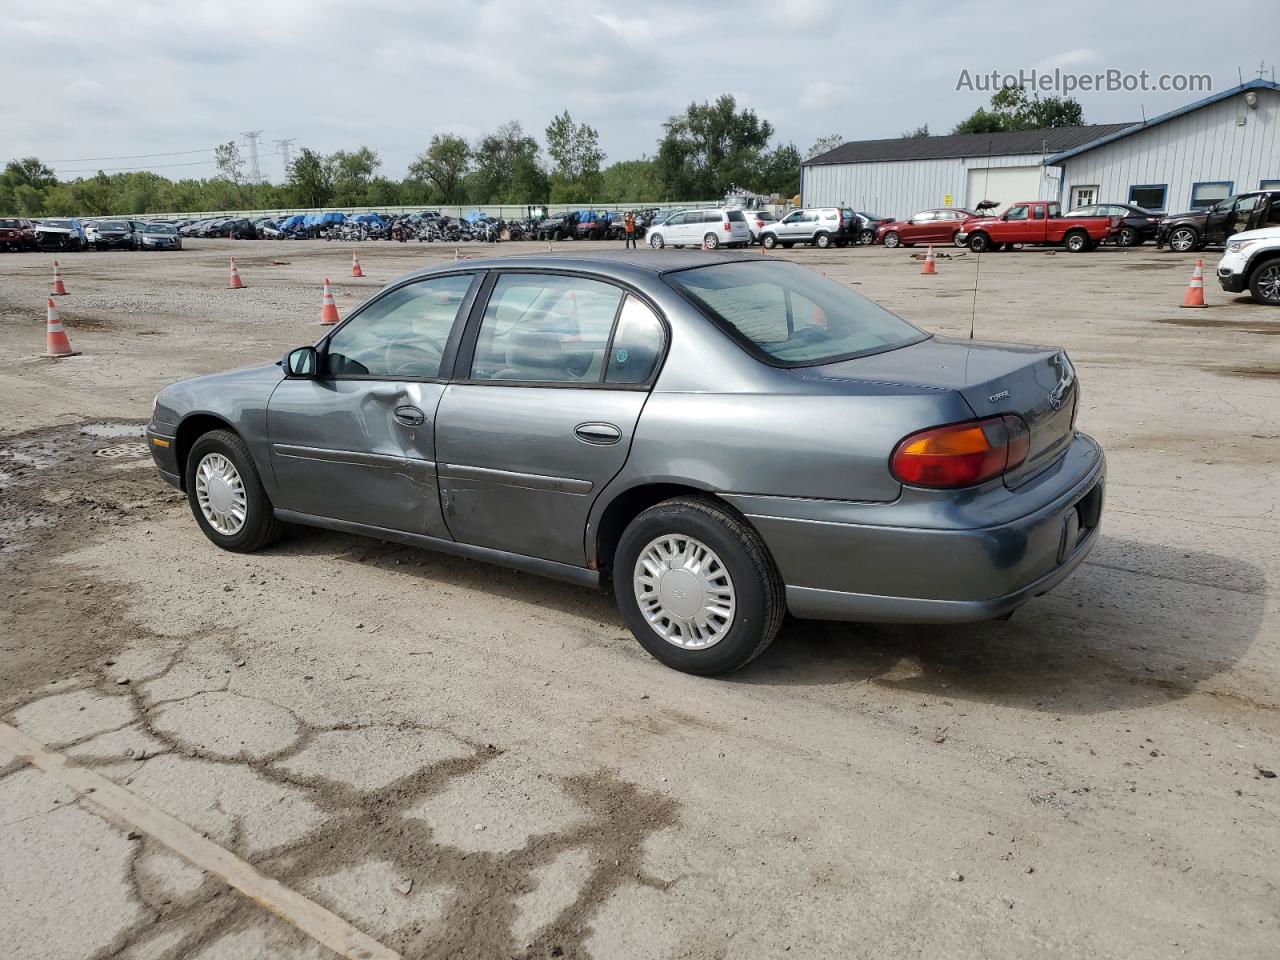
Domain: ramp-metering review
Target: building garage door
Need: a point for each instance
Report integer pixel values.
(1005, 185)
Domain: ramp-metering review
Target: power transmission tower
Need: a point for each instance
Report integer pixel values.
(282, 148)
(251, 141)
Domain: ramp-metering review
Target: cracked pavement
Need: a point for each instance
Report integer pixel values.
(462, 761)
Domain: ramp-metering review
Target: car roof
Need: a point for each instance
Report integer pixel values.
(650, 263)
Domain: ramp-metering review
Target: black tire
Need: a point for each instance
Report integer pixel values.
(1076, 241)
(822, 241)
(1184, 239)
(979, 242)
(768, 241)
(261, 528)
(891, 239)
(1264, 283)
(656, 241)
(867, 237)
(1127, 237)
(760, 602)
(710, 241)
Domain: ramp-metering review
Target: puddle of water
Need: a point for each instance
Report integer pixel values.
(112, 430)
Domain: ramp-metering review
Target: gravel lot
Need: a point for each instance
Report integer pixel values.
(461, 761)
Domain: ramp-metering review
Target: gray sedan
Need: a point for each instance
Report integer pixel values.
(723, 437)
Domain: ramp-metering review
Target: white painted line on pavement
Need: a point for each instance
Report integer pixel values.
(309, 917)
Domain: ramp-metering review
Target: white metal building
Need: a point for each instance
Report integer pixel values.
(1187, 159)
(900, 176)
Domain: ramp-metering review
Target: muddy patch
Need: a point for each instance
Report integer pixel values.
(1244, 326)
(1260, 372)
(1154, 265)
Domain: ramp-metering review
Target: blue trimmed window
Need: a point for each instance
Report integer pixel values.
(1205, 195)
(1269, 184)
(1149, 196)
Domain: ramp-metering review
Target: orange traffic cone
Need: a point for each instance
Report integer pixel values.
(328, 309)
(59, 289)
(57, 343)
(235, 283)
(1195, 288)
(929, 268)
(355, 265)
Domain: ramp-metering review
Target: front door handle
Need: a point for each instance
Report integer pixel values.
(597, 433)
(410, 416)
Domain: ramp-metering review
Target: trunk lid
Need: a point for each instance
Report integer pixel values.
(1036, 383)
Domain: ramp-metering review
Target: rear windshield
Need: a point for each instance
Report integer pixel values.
(765, 215)
(790, 315)
(737, 216)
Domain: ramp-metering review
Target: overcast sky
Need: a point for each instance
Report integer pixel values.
(86, 79)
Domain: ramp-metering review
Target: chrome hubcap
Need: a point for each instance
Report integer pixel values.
(1269, 284)
(684, 592)
(1181, 241)
(220, 494)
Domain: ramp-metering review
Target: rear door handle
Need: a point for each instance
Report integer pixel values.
(597, 433)
(410, 416)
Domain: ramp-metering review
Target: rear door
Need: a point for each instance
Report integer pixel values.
(548, 387)
(357, 443)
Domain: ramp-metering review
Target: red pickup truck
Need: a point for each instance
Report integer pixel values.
(1036, 223)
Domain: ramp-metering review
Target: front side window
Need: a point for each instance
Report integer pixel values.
(790, 315)
(401, 335)
(547, 328)
(1016, 213)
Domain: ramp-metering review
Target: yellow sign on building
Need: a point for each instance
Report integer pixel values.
(946, 201)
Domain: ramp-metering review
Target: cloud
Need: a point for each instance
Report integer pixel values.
(1069, 58)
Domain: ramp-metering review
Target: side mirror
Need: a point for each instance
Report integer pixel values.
(302, 363)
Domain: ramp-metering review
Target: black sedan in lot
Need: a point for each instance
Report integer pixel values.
(114, 235)
(1136, 224)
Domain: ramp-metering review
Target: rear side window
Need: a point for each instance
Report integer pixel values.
(789, 315)
(637, 344)
(546, 328)
(401, 335)
(737, 216)
(712, 216)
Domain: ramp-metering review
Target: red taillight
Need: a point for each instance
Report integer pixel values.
(759, 223)
(961, 454)
(727, 227)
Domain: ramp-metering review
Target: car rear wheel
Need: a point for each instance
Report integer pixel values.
(710, 241)
(697, 587)
(768, 241)
(1127, 237)
(1264, 285)
(891, 239)
(1076, 241)
(867, 237)
(1184, 239)
(656, 241)
(822, 241)
(955, 239)
(226, 494)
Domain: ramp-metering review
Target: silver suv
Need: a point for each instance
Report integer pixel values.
(820, 226)
(701, 228)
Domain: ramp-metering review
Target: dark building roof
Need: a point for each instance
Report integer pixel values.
(1046, 141)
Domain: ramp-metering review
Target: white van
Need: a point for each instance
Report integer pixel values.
(701, 228)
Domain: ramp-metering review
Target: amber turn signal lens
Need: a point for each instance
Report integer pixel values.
(961, 454)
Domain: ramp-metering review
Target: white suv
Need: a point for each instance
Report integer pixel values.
(1252, 262)
(701, 228)
(821, 226)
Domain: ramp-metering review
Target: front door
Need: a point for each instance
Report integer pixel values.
(555, 377)
(357, 443)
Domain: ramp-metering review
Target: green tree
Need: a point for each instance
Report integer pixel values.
(920, 131)
(824, 145)
(507, 168)
(574, 149)
(226, 156)
(711, 147)
(629, 181)
(443, 165)
(311, 179)
(352, 173)
(779, 171)
(1013, 109)
(29, 173)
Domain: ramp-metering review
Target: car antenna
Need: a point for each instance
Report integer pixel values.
(973, 313)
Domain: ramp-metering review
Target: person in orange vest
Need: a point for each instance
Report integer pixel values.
(629, 229)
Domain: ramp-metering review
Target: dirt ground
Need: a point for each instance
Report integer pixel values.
(461, 761)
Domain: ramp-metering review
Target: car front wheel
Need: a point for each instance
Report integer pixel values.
(768, 241)
(710, 241)
(979, 242)
(891, 240)
(1264, 285)
(656, 242)
(226, 494)
(697, 587)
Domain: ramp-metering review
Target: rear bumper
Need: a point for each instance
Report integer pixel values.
(944, 574)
